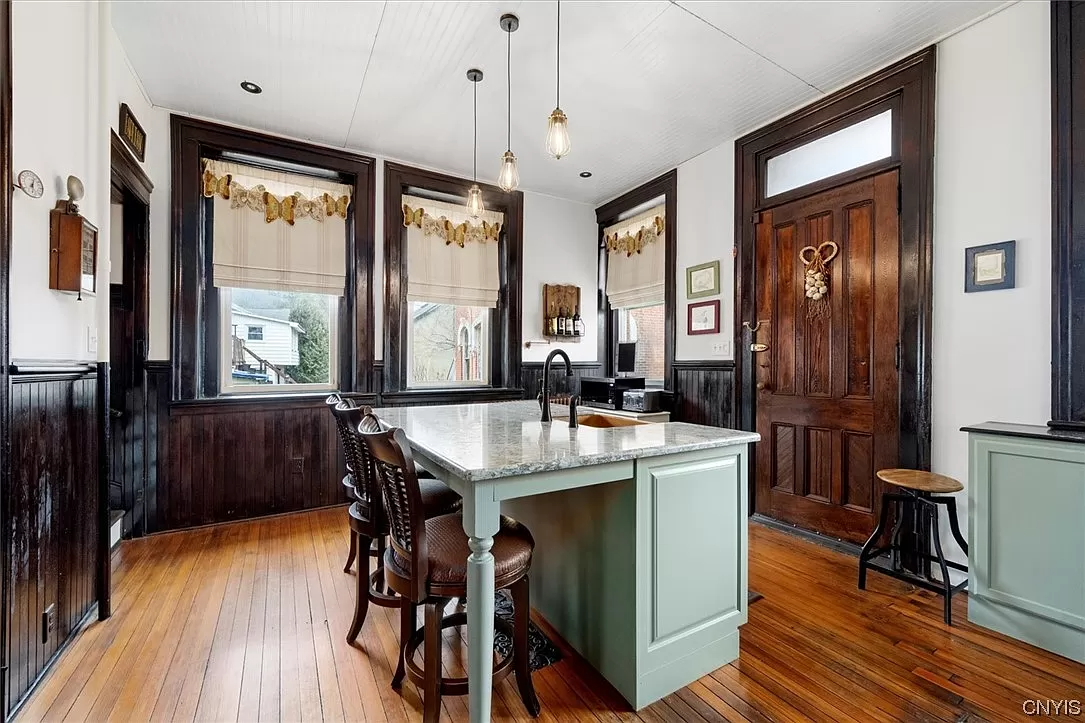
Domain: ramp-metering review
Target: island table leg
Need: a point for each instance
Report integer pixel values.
(481, 517)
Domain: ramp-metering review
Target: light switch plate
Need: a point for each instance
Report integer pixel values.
(92, 340)
(721, 348)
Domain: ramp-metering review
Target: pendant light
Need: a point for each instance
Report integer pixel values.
(557, 134)
(475, 207)
(509, 177)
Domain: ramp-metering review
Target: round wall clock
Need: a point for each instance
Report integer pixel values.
(31, 184)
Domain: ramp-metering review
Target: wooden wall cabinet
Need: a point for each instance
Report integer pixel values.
(73, 251)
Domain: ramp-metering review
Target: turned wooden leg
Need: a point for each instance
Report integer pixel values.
(353, 552)
(381, 587)
(521, 659)
(408, 624)
(431, 693)
(361, 595)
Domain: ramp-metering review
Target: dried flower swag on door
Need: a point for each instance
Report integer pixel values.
(816, 260)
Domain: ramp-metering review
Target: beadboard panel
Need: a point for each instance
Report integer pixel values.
(704, 393)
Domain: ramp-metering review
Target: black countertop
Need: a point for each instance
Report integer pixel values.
(1032, 431)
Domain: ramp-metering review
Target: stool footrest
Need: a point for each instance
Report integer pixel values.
(915, 579)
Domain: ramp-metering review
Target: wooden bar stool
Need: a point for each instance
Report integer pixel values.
(368, 523)
(918, 496)
(426, 563)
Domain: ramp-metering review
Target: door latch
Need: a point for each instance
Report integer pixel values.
(896, 356)
(757, 348)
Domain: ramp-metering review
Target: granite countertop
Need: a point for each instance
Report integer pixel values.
(504, 439)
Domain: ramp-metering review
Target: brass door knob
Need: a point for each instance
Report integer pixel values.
(761, 387)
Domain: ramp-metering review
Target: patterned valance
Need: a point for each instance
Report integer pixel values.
(630, 238)
(242, 187)
(461, 233)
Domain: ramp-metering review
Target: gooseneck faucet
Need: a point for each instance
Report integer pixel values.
(544, 398)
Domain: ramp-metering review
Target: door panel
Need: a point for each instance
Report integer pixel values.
(828, 384)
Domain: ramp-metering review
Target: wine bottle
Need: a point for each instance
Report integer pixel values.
(561, 322)
(578, 323)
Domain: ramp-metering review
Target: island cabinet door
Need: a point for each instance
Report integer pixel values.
(691, 566)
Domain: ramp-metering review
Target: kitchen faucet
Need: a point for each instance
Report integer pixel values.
(544, 396)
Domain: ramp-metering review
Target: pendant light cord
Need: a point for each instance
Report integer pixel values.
(558, 63)
(474, 154)
(508, 66)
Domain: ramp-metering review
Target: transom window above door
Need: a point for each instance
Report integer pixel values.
(851, 147)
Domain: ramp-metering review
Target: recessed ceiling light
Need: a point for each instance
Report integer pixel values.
(585, 174)
(249, 87)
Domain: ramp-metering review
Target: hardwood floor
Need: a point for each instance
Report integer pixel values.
(247, 622)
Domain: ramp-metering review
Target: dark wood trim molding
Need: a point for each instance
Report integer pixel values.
(909, 87)
(6, 184)
(505, 345)
(103, 577)
(193, 295)
(703, 364)
(125, 167)
(608, 214)
(1067, 218)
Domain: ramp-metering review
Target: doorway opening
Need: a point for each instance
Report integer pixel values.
(129, 256)
(834, 361)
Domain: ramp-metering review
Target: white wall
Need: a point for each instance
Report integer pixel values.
(561, 246)
(125, 88)
(992, 350)
(706, 213)
(55, 132)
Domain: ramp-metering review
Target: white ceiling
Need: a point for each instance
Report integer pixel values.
(646, 85)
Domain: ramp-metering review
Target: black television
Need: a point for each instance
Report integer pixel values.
(627, 357)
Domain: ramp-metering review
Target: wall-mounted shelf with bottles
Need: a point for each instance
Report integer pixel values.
(561, 312)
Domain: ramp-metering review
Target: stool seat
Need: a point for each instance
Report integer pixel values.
(448, 551)
(920, 481)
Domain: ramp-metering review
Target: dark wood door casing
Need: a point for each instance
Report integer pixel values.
(828, 384)
(908, 86)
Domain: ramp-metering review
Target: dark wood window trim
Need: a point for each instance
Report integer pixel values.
(6, 182)
(194, 299)
(1067, 218)
(908, 86)
(505, 345)
(665, 186)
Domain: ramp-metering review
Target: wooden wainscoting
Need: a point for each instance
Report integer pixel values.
(704, 392)
(53, 504)
(532, 373)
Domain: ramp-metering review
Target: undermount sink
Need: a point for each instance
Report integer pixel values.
(601, 421)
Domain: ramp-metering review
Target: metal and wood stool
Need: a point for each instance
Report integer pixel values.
(919, 498)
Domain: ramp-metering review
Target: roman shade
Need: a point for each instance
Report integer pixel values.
(451, 257)
(275, 230)
(636, 260)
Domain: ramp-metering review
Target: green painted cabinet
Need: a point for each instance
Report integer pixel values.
(1027, 535)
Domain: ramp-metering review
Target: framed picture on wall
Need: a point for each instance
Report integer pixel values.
(703, 280)
(703, 317)
(990, 267)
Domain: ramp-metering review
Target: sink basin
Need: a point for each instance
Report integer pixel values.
(601, 421)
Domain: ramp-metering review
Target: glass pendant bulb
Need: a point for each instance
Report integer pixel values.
(557, 135)
(509, 177)
(475, 207)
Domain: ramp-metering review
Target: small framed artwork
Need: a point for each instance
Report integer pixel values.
(703, 317)
(990, 267)
(703, 280)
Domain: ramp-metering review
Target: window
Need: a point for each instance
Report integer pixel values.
(645, 326)
(857, 145)
(448, 345)
(294, 347)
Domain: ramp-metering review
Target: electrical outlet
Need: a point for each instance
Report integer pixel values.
(92, 340)
(297, 465)
(48, 623)
(722, 348)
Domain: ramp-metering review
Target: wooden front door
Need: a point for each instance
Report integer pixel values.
(827, 385)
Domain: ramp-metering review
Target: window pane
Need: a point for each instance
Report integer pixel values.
(278, 339)
(645, 325)
(857, 145)
(448, 345)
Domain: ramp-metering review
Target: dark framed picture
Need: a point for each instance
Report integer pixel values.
(990, 267)
(703, 317)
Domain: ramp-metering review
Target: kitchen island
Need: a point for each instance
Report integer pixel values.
(640, 530)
